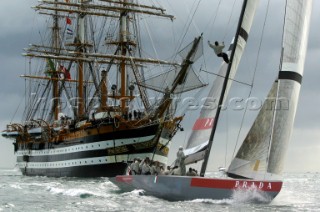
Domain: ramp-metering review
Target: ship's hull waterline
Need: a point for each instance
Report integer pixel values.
(96, 155)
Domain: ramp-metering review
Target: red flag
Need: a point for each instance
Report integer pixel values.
(68, 20)
(65, 72)
(67, 75)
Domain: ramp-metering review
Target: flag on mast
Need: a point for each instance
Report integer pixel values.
(68, 21)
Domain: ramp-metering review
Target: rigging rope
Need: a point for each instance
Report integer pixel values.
(187, 28)
(218, 75)
(226, 28)
(215, 14)
(253, 77)
(227, 138)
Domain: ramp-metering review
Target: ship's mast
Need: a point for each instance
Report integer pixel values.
(123, 41)
(55, 45)
(123, 46)
(123, 57)
(81, 40)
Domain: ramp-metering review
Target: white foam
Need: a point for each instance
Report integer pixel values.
(250, 195)
(15, 186)
(211, 201)
(71, 192)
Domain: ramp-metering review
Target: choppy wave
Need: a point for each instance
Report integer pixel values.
(71, 192)
(19, 193)
(10, 172)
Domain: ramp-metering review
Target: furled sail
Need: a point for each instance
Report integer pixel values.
(161, 82)
(201, 130)
(263, 151)
(165, 80)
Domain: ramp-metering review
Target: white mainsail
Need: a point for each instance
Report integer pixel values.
(201, 130)
(263, 151)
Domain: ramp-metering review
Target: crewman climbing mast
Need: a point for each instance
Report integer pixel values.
(218, 50)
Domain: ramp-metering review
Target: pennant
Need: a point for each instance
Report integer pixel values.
(68, 21)
(69, 31)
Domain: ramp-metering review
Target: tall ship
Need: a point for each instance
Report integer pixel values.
(89, 91)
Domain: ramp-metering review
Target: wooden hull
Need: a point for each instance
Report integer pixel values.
(180, 188)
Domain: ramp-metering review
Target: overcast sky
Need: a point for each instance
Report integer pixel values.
(17, 30)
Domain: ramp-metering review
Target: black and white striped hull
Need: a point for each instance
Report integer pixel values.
(92, 157)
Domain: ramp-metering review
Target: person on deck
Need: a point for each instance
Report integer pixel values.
(180, 161)
(155, 168)
(135, 167)
(191, 172)
(145, 166)
(168, 171)
(218, 50)
(161, 170)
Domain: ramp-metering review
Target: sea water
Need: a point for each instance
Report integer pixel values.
(300, 192)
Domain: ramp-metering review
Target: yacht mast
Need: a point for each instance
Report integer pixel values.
(224, 87)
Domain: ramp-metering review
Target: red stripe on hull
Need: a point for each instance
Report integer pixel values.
(274, 186)
(124, 178)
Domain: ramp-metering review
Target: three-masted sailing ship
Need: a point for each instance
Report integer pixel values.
(89, 112)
